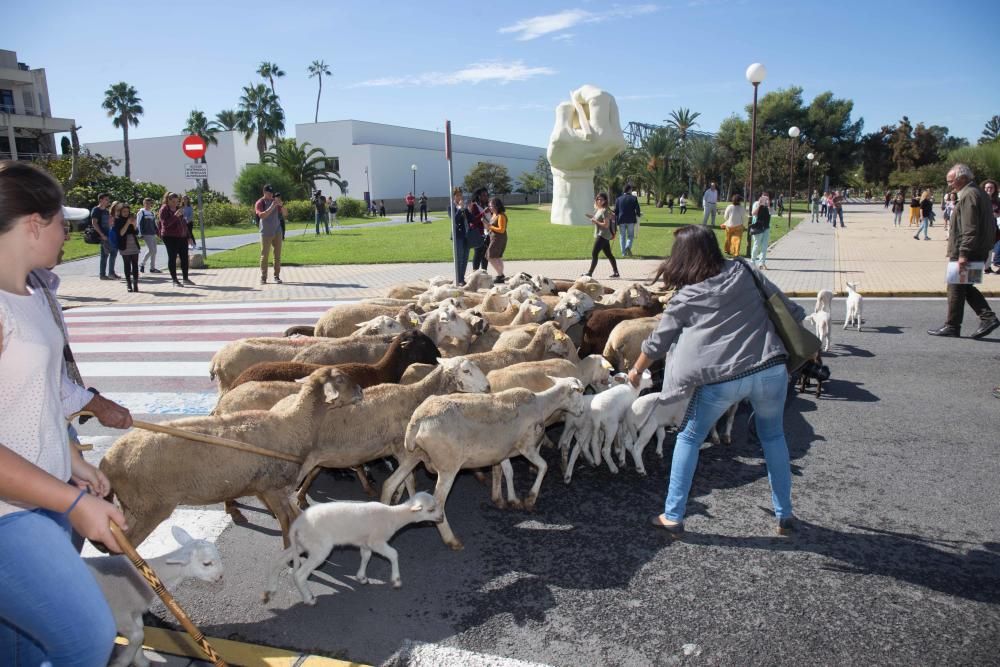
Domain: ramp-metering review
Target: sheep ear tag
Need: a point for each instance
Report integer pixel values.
(330, 393)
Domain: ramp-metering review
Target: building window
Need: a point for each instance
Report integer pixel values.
(7, 101)
(333, 164)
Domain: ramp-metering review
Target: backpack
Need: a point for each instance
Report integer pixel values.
(613, 226)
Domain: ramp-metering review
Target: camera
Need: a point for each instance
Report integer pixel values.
(317, 194)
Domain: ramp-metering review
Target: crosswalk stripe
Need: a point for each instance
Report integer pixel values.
(244, 330)
(194, 307)
(203, 317)
(146, 347)
(144, 369)
(165, 403)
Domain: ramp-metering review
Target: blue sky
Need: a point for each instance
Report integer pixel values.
(498, 69)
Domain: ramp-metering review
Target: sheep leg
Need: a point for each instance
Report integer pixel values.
(384, 550)
(411, 488)
(301, 499)
(406, 466)
(639, 446)
(508, 473)
(564, 444)
(441, 490)
(366, 481)
(286, 558)
(301, 572)
(606, 451)
(278, 502)
(620, 447)
(140, 526)
(568, 474)
(495, 494)
(132, 654)
(727, 424)
(481, 477)
(661, 435)
(233, 511)
(362, 575)
(534, 456)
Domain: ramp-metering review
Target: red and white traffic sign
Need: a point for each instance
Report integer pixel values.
(194, 146)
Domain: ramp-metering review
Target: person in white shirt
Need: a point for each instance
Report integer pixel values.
(709, 201)
(51, 609)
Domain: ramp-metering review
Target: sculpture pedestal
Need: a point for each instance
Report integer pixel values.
(572, 196)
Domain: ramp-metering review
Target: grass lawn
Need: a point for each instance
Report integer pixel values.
(531, 236)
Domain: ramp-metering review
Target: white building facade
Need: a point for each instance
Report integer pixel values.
(373, 158)
(27, 127)
(379, 159)
(161, 160)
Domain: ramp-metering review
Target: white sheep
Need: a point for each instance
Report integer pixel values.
(854, 301)
(369, 526)
(129, 596)
(435, 295)
(607, 410)
(383, 325)
(476, 430)
(593, 371)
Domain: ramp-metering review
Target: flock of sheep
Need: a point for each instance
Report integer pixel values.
(451, 378)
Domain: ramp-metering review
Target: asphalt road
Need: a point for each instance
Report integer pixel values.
(897, 562)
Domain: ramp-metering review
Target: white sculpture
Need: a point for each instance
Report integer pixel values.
(587, 134)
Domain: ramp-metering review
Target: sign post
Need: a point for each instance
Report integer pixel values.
(195, 147)
(451, 200)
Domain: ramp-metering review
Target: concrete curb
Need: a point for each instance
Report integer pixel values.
(234, 652)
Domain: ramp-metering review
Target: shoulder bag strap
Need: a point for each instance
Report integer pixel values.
(753, 275)
(68, 361)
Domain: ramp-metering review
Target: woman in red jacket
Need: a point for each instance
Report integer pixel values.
(174, 232)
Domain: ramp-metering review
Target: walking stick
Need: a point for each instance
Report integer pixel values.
(201, 437)
(154, 582)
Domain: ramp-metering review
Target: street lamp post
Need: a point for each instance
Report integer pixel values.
(368, 188)
(793, 136)
(809, 177)
(413, 168)
(755, 74)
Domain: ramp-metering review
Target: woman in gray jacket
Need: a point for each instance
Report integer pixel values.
(729, 351)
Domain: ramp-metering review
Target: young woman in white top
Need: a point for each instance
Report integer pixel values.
(51, 609)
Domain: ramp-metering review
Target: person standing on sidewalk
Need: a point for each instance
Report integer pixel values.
(838, 208)
(709, 202)
(814, 206)
(460, 234)
(760, 231)
(128, 247)
(147, 230)
(478, 222)
(990, 187)
(319, 208)
(173, 230)
(331, 205)
(423, 207)
(926, 211)
(733, 222)
(914, 209)
(410, 201)
(268, 209)
(100, 220)
(897, 210)
(973, 231)
(627, 213)
(498, 238)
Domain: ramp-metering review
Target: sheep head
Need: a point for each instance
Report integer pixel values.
(424, 507)
(418, 348)
(383, 325)
(570, 393)
(465, 376)
(337, 388)
(545, 285)
(199, 558)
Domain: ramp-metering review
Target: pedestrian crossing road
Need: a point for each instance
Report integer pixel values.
(154, 361)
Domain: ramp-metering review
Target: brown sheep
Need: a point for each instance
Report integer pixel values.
(598, 326)
(407, 348)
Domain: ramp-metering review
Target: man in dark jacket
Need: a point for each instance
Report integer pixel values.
(626, 216)
(970, 237)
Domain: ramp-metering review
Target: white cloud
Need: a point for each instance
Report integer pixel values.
(563, 37)
(539, 26)
(493, 71)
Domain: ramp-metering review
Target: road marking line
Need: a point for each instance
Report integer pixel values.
(239, 305)
(205, 317)
(146, 369)
(128, 347)
(262, 329)
(419, 653)
(187, 404)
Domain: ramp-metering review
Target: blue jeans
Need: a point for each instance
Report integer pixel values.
(766, 391)
(326, 221)
(897, 218)
(52, 612)
(996, 254)
(833, 216)
(108, 257)
(462, 258)
(626, 235)
(758, 252)
(924, 224)
(815, 214)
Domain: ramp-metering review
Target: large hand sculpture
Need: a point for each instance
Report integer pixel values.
(587, 134)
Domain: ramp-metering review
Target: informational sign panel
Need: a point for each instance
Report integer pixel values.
(198, 172)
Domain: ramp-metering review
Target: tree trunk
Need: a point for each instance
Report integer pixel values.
(320, 77)
(204, 182)
(128, 159)
(261, 143)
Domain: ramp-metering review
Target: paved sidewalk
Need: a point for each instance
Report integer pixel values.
(884, 260)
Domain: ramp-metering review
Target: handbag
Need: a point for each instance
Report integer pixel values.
(91, 236)
(800, 344)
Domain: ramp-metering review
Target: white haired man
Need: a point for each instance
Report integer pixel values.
(970, 237)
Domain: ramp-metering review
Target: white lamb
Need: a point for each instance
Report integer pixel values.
(853, 306)
(369, 526)
(129, 596)
(820, 317)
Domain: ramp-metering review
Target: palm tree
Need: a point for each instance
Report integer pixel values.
(121, 101)
(304, 165)
(682, 120)
(318, 69)
(226, 120)
(270, 71)
(198, 124)
(611, 176)
(260, 114)
(657, 152)
(702, 158)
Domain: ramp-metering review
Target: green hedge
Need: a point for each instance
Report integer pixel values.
(348, 207)
(300, 210)
(227, 215)
(120, 189)
(254, 177)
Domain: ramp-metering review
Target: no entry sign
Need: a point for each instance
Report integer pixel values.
(193, 146)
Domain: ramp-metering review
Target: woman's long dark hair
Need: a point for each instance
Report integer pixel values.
(26, 189)
(694, 258)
